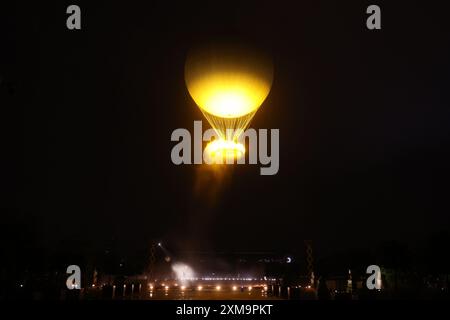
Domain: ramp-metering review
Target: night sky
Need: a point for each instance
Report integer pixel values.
(86, 119)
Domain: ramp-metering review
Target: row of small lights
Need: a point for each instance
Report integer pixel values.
(226, 279)
(166, 287)
(200, 288)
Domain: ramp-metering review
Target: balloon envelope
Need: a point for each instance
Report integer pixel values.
(229, 83)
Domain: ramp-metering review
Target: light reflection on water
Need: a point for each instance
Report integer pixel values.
(209, 294)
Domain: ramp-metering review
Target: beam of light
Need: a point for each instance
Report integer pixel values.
(379, 280)
(183, 272)
(210, 181)
(166, 252)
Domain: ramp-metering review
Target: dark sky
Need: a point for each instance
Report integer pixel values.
(87, 115)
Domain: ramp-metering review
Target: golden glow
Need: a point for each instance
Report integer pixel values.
(250, 288)
(229, 84)
(221, 151)
(199, 288)
(218, 288)
(234, 288)
(228, 94)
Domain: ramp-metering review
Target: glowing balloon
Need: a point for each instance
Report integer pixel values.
(229, 84)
